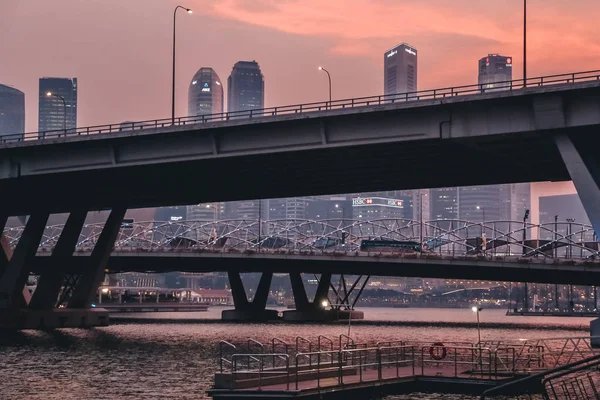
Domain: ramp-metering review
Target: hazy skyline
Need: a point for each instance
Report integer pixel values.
(120, 51)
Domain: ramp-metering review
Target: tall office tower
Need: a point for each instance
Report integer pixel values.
(206, 212)
(291, 208)
(53, 113)
(494, 69)
(482, 203)
(520, 200)
(444, 203)
(12, 111)
(400, 69)
(245, 87)
(205, 95)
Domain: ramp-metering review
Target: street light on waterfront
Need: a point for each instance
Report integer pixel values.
(50, 94)
(328, 77)
(325, 303)
(189, 11)
(477, 310)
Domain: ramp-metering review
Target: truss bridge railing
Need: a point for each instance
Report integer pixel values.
(496, 239)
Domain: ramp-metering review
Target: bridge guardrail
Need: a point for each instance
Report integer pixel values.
(430, 94)
(440, 238)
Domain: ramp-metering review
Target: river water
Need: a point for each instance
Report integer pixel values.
(175, 357)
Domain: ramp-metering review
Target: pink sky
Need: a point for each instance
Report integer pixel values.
(120, 50)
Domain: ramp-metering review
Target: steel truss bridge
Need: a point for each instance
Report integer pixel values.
(445, 237)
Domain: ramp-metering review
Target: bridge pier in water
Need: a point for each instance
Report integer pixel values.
(244, 309)
(18, 310)
(316, 310)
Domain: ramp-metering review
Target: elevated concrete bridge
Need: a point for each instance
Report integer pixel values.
(542, 129)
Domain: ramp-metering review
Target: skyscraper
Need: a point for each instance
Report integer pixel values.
(205, 95)
(12, 111)
(53, 113)
(493, 69)
(245, 87)
(400, 69)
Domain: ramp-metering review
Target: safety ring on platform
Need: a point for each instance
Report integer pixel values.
(437, 351)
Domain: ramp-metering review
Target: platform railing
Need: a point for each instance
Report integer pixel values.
(472, 361)
(222, 359)
(260, 369)
(533, 355)
(293, 110)
(540, 382)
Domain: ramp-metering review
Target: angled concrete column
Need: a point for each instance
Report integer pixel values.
(322, 289)
(585, 173)
(245, 310)
(87, 286)
(14, 277)
(4, 245)
(300, 298)
(309, 311)
(240, 300)
(262, 291)
(51, 280)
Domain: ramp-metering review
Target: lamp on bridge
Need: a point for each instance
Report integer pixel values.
(329, 77)
(189, 11)
(50, 94)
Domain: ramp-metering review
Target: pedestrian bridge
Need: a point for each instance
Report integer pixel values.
(494, 250)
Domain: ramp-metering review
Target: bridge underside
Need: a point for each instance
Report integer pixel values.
(527, 157)
(350, 265)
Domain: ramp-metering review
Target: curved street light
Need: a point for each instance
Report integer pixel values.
(50, 94)
(329, 77)
(189, 11)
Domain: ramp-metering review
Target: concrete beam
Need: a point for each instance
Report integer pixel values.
(585, 174)
(51, 280)
(14, 278)
(240, 299)
(87, 286)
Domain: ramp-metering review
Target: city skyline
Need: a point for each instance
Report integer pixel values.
(448, 46)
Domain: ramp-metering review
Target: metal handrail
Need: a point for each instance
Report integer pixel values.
(221, 359)
(538, 377)
(342, 104)
(477, 359)
(273, 344)
(261, 370)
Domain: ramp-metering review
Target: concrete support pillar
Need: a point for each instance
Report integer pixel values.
(245, 310)
(14, 277)
(322, 289)
(262, 291)
(300, 298)
(240, 299)
(51, 280)
(585, 173)
(4, 245)
(85, 291)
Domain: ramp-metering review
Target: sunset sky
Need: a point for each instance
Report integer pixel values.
(120, 50)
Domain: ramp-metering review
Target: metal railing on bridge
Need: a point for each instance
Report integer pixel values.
(379, 237)
(431, 94)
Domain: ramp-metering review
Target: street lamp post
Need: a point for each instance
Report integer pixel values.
(477, 310)
(524, 43)
(526, 298)
(189, 11)
(482, 228)
(329, 77)
(50, 94)
(569, 239)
